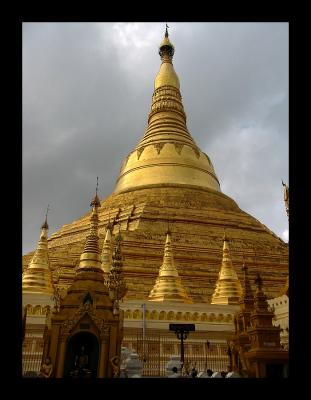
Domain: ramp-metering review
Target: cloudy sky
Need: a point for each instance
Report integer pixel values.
(87, 91)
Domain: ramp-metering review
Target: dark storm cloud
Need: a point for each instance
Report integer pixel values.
(87, 91)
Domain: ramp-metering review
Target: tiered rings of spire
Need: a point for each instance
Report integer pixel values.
(167, 154)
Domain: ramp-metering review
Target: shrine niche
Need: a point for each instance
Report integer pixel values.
(82, 355)
(82, 340)
(87, 326)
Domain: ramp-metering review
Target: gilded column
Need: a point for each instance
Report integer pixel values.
(104, 350)
(61, 358)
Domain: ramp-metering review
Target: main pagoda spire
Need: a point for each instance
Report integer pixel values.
(168, 285)
(167, 153)
(37, 278)
(228, 287)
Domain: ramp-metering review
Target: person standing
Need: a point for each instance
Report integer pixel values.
(194, 372)
(175, 373)
(209, 373)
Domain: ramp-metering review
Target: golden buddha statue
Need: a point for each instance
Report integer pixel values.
(46, 368)
(81, 364)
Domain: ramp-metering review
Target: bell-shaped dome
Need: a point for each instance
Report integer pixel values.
(167, 154)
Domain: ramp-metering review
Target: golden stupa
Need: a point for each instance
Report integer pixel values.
(106, 256)
(228, 287)
(168, 285)
(37, 277)
(167, 177)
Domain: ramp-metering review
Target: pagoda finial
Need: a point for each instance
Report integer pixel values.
(247, 294)
(106, 256)
(244, 266)
(286, 287)
(115, 280)
(258, 282)
(286, 197)
(95, 202)
(45, 224)
(90, 258)
(166, 31)
(109, 225)
(168, 231)
(260, 299)
(166, 50)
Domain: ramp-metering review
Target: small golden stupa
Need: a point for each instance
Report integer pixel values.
(228, 287)
(168, 285)
(106, 256)
(37, 278)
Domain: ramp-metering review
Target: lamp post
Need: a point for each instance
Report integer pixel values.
(144, 330)
(207, 344)
(182, 335)
(181, 331)
(229, 352)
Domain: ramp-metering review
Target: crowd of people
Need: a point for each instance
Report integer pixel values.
(194, 373)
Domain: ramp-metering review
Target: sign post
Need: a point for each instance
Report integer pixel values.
(181, 331)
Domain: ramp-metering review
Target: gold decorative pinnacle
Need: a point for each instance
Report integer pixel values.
(247, 294)
(168, 231)
(285, 289)
(228, 287)
(45, 223)
(96, 202)
(166, 32)
(115, 281)
(168, 285)
(166, 49)
(90, 258)
(286, 197)
(258, 282)
(37, 278)
(106, 256)
(260, 299)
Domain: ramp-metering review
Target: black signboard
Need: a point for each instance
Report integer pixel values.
(182, 327)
